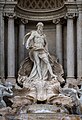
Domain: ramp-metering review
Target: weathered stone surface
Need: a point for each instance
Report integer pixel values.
(52, 117)
(42, 84)
(47, 91)
(5, 90)
(46, 117)
(4, 111)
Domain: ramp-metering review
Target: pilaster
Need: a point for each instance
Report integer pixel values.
(79, 39)
(21, 35)
(70, 15)
(70, 46)
(10, 14)
(58, 39)
(2, 61)
(11, 47)
(70, 0)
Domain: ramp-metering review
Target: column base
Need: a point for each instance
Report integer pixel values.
(2, 80)
(71, 82)
(70, 78)
(79, 79)
(12, 80)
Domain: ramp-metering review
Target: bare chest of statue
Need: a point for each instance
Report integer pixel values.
(39, 40)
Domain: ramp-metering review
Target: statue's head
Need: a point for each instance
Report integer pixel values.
(40, 26)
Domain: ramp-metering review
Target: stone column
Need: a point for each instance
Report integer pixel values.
(80, 2)
(70, 0)
(70, 47)
(59, 41)
(21, 46)
(2, 71)
(11, 47)
(79, 40)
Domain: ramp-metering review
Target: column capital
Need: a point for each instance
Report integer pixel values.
(10, 15)
(59, 21)
(23, 21)
(71, 7)
(70, 46)
(56, 21)
(71, 15)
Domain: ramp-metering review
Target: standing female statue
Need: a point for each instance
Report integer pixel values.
(37, 45)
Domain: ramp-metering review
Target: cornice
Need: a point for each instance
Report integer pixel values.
(10, 4)
(71, 6)
(2, 3)
(79, 5)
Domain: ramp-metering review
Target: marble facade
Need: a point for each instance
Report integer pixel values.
(63, 25)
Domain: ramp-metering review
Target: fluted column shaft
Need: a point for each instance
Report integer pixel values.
(79, 41)
(21, 46)
(59, 42)
(2, 71)
(11, 48)
(70, 47)
(70, 0)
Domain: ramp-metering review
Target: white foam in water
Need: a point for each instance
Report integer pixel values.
(43, 111)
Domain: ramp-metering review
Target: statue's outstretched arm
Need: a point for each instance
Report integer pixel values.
(25, 37)
(28, 40)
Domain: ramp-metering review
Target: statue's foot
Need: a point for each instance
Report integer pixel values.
(54, 76)
(45, 78)
(40, 78)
